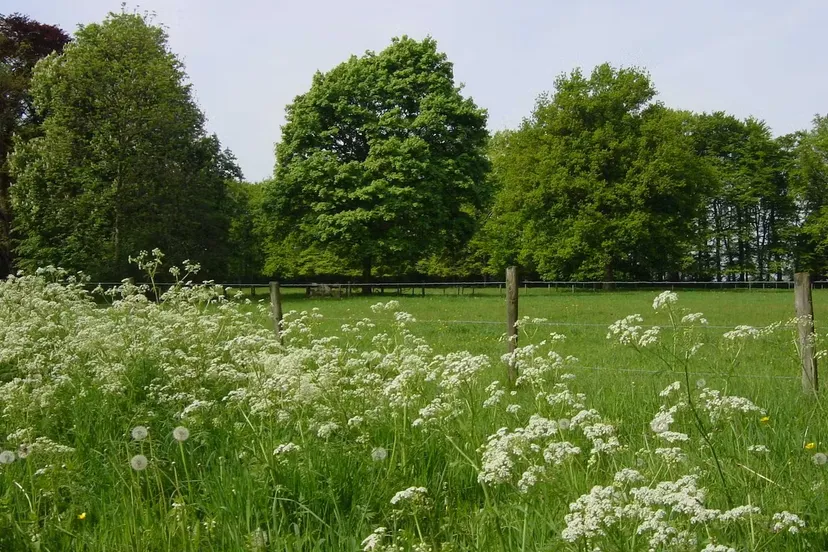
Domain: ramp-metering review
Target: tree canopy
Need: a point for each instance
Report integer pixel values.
(123, 163)
(23, 42)
(600, 180)
(381, 164)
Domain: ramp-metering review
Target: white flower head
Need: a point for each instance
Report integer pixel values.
(820, 459)
(379, 454)
(665, 298)
(181, 434)
(374, 540)
(139, 433)
(6, 457)
(411, 494)
(286, 448)
(786, 521)
(139, 462)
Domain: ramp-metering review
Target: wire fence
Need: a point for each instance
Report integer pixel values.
(401, 288)
(462, 287)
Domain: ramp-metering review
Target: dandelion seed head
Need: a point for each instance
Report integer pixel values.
(139, 462)
(139, 433)
(181, 434)
(820, 459)
(379, 454)
(6, 457)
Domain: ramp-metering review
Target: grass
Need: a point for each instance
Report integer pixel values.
(83, 377)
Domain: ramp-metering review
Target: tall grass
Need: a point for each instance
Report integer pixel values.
(377, 432)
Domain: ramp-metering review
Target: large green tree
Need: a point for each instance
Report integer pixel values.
(811, 189)
(23, 42)
(744, 230)
(124, 163)
(600, 182)
(381, 164)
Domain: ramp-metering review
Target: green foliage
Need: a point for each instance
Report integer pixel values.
(124, 163)
(247, 230)
(599, 181)
(23, 42)
(812, 192)
(381, 165)
(746, 226)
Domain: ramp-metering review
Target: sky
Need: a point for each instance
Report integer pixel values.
(248, 59)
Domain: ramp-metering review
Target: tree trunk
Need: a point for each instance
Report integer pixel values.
(366, 276)
(609, 276)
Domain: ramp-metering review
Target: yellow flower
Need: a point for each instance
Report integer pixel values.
(82, 515)
(764, 419)
(810, 446)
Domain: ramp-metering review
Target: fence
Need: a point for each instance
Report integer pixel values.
(802, 286)
(462, 288)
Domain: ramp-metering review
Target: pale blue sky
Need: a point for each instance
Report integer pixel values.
(248, 59)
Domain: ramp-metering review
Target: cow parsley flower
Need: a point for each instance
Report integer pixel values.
(759, 449)
(285, 448)
(786, 521)
(665, 298)
(374, 540)
(411, 494)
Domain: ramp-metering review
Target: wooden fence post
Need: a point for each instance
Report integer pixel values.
(511, 317)
(276, 309)
(805, 328)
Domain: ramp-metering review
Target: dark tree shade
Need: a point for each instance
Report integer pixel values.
(23, 42)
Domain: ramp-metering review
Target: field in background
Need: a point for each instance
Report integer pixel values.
(766, 369)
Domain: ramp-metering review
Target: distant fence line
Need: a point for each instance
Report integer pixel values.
(348, 288)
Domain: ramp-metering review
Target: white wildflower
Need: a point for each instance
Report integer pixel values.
(139, 433)
(6, 457)
(411, 494)
(759, 449)
(672, 455)
(665, 298)
(286, 448)
(820, 459)
(374, 540)
(786, 521)
(628, 475)
(667, 391)
(379, 454)
(139, 462)
(181, 434)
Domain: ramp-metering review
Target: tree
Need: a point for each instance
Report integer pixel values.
(811, 189)
(745, 228)
(23, 43)
(381, 164)
(124, 163)
(600, 181)
(247, 230)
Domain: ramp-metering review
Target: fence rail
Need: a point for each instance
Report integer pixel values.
(348, 288)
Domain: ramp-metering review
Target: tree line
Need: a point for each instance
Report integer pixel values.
(385, 168)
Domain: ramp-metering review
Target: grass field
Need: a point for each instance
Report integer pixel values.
(382, 436)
